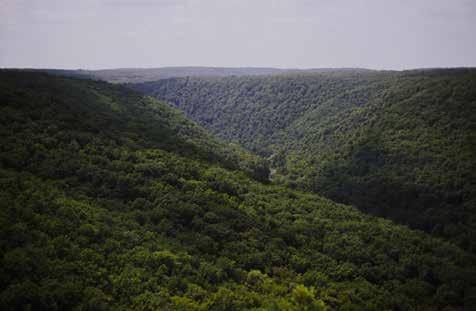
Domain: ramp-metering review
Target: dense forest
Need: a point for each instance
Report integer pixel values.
(115, 201)
(396, 144)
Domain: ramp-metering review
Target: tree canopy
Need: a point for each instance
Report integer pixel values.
(396, 144)
(112, 200)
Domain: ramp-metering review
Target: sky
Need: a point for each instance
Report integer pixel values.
(376, 34)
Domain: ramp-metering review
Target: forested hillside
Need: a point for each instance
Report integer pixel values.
(398, 144)
(111, 200)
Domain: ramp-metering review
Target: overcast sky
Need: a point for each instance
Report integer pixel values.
(379, 34)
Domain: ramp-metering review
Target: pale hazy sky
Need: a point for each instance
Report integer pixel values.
(91, 34)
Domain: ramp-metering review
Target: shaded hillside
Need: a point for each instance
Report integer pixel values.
(109, 200)
(92, 106)
(398, 144)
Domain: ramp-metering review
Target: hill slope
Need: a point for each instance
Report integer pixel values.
(398, 144)
(109, 200)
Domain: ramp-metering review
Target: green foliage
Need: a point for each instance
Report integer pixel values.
(112, 201)
(397, 144)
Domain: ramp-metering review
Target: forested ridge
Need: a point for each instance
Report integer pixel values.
(112, 200)
(138, 75)
(397, 144)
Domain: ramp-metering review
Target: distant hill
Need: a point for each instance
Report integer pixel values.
(110, 200)
(137, 75)
(397, 144)
(131, 75)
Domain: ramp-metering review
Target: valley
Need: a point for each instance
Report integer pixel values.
(396, 144)
(115, 200)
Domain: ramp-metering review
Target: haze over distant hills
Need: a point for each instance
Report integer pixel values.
(137, 75)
